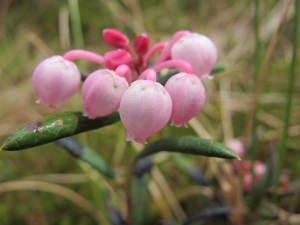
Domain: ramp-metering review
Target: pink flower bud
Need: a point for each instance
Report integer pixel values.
(145, 109)
(54, 80)
(141, 44)
(199, 51)
(247, 181)
(115, 38)
(237, 146)
(259, 169)
(102, 92)
(114, 59)
(188, 97)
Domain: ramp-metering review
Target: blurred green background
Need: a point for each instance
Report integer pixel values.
(32, 30)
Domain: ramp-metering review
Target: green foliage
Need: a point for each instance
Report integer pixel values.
(54, 127)
(96, 161)
(188, 145)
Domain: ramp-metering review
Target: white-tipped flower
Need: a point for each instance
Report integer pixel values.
(102, 92)
(54, 80)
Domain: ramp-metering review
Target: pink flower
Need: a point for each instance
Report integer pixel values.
(247, 181)
(102, 92)
(199, 51)
(259, 169)
(115, 38)
(141, 44)
(237, 146)
(54, 80)
(114, 59)
(188, 97)
(145, 109)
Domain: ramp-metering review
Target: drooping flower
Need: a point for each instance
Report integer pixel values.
(145, 109)
(102, 92)
(188, 97)
(54, 80)
(199, 51)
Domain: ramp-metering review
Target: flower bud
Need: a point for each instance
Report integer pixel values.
(115, 38)
(188, 97)
(259, 169)
(141, 44)
(145, 109)
(54, 80)
(247, 181)
(102, 92)
(114, 59)
(199, 51)
(237, 146)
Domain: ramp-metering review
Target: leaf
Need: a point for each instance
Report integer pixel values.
(208, 212)
(140, 199)
(85, 153)
(96, 161)
(54, 127)
(218, 68)
(143, 167)
(188, 145)
(189, 166)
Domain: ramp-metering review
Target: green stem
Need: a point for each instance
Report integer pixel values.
(76, 28)
(97, 195)
(257, 40)
(76, 24)
(291, 83)
(130, 165)
(99, 200)
(257, 67)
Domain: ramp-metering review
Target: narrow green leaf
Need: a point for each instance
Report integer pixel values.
(140, 198)
(54, 127)
(83, 152)
(188, 145)
(96, 161)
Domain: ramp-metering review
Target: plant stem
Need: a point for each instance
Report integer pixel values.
(290, 89)
(76, 27)
(129, 165)
(76, 24)
(178, 64)
(263, 75)
(257, 40)
(83, 54)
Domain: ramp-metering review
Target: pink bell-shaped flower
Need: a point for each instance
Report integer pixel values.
(102, 92)
(199, 51)
(54, 80)
(145, 109)
(188, 97)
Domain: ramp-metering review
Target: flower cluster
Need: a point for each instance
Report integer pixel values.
(127, 82)
(244, 167)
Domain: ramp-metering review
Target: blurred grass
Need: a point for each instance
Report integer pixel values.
(29, 32)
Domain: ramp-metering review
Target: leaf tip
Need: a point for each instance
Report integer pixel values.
(238, 158)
